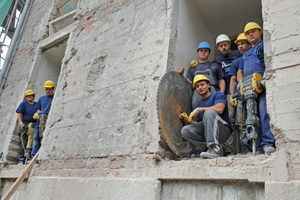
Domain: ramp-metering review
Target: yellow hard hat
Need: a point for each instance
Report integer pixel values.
(29, 92)
(241, 36)
(198, 78)
(49, 84)
(251, 25)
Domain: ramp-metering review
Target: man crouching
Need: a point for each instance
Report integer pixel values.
(209, 122)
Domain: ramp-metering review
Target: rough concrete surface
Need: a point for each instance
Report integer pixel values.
(102, 136)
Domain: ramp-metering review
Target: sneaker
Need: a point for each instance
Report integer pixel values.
(269, 150)
(210, 153)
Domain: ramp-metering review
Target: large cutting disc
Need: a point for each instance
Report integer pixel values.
(174, 96)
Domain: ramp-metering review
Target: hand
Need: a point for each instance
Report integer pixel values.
(36, 116)
(233, 102)
(194, 114)
(21, 125)
(194, 63)
(181, 70)
(184, 116)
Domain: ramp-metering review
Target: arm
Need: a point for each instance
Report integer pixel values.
(240, 75)
(232, 84)
(219, 108)
(222, 85)
(19, 117)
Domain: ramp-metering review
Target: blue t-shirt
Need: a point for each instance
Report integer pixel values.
(254, 60)
(225, 63)
(216, 71)
(27, 111)
(213, 99)
(44, 104)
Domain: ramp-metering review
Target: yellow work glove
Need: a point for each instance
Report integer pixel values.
(233, 102)
(194, 63)
(184, 116)
(194, 114)
(36, 116)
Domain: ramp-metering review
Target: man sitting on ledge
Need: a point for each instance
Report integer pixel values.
(209, 122)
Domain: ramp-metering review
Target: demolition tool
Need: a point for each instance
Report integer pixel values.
(249, 88)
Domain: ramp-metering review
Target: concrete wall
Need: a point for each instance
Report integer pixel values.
(102, 135)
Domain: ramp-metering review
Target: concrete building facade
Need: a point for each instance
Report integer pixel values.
(102, 135)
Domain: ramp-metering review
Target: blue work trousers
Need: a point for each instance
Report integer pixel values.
(36, 141)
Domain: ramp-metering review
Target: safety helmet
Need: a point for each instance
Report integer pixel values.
(251, 25)
(198, 78)
(222, 38)
(29, 92)
(49, 84)
(203, 45)
(241, 36)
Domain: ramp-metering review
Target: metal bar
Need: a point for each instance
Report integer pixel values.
(13, 43)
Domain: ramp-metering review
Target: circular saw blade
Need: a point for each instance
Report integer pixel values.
(174, 96)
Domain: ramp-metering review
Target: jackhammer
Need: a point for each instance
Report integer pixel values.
(249, 88)
(30, 135)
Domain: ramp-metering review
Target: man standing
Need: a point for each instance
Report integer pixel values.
(210, 124)
(211, 70)
(254, 62)
(243, 46)
(43, 108)
(224, 60)
(25, 112)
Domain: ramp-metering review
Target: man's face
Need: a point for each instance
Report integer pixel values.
(49, 91)
(203, 54)
(30, 98)
(243, 46)
(202, 87)
(253, 36)
(224, 47)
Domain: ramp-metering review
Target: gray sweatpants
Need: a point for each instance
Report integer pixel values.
(212, 130)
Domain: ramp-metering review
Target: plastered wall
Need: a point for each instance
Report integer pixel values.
(103, 129)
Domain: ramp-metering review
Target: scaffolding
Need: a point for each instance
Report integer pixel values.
(10, 11)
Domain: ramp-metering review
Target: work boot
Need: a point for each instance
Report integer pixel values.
(269, 150)
(210, 153)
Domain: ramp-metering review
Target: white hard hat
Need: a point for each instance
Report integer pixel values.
(222, 38)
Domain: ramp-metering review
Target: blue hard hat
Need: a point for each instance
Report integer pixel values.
(203, 45)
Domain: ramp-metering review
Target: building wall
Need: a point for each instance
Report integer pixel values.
(102, 134)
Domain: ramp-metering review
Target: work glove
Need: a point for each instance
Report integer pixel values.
(36, 116)
(194, 63)
(233, 102)
(184, 116)
(21, 125)
(194, 114)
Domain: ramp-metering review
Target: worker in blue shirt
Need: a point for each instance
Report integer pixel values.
(224, 60)
(209, 122)
(243, 45)
(43, 108)
(25, 111)
(254, 62)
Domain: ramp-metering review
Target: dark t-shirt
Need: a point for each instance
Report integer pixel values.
(217, 72)
(213, 99)
(27, 111)
(225, 63)
(44, 104)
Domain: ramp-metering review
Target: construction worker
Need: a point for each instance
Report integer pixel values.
(43, 108)
(254, 62)
(210, 125)
(210, 70)
(224, 60)
(243, 45)
(25, 112)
